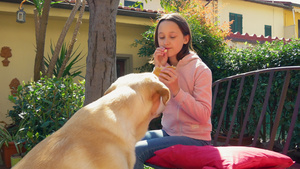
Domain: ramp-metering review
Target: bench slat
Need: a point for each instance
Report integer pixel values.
(293, 122)
(279, 109)
(248, 108)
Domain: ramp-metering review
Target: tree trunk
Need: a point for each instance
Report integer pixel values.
(70, 49)
(101, 59)
(37, 23)
(61, 39)
(41, 40)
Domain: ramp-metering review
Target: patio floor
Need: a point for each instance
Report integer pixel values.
(3, 167)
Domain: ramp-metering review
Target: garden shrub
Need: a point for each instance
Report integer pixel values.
(72, 69)
(265, 55)
(45, 105)
(208, 42)
(207, 35)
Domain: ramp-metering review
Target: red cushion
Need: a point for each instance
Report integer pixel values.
(192, 157)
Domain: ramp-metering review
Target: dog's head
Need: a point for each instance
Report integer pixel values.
(139, 98)
(147, 86)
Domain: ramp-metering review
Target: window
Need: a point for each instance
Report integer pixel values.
(124, 64)
(237, 25)
(298, 28)
(268, 30)
(131, 3)
(120, 67)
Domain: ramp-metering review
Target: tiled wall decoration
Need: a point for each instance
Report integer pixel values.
(5, 53)
(14, 86)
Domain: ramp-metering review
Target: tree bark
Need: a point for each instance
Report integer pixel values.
(37, 23)
(101, 59)
(41, 41)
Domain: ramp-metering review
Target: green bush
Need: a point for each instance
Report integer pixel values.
(45, 105)
(266, 55)
(147, 48)
(207, 35)
(263, 55)
(208, 42)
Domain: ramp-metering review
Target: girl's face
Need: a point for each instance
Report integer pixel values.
(171, 38)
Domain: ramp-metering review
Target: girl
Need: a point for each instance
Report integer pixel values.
(186, 118)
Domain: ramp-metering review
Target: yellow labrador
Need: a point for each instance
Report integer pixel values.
(103, 134)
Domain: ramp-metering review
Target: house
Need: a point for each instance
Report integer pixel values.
(260, 20)
(19, 40)
(254, 20)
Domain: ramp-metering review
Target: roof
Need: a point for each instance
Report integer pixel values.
(279, 3)
(270, 2)
(125, 10)
(252, 38)
(122, 10)
(286, 2)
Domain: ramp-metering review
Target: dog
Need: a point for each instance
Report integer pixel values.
(103, 134)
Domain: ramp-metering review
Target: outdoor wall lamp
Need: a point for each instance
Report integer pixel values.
(21, 15)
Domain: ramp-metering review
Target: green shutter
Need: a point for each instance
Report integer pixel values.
(237, 25)
(134, 4)
(268, 30)
(232, 26)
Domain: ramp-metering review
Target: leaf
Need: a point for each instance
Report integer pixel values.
(46, 124)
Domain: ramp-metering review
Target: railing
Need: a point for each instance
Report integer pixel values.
(237, 101)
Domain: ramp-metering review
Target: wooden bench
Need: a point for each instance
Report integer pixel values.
(262, 105)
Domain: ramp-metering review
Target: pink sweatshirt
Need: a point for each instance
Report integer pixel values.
(189, 112)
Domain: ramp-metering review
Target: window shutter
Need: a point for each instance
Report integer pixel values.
(298, 28)
(268, 30)
(128, 3)
(131, 3)
(239, 23)
(232, 26)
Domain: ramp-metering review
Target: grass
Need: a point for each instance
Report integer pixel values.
(147, 167)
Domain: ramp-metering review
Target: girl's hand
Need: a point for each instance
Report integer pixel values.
(169, 77)
(160, 57)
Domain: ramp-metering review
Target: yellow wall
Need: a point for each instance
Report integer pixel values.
(255, 16)
(21, 39)
(290, 20)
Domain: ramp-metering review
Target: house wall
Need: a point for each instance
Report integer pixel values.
(148, 4)
(255, 16)
(291, 22)
(21, 39)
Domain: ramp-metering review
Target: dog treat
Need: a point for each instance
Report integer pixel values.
(157, 70)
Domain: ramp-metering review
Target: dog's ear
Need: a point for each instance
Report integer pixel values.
(165, 94)
(160, 97)
(163, 91)
(110, 89)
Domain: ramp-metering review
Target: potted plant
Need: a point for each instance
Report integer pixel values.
(10, 143)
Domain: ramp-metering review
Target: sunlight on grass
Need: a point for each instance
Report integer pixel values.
(147, 167)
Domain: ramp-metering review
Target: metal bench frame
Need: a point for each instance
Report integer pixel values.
(256, 75)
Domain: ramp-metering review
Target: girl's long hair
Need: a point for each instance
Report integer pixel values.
(183, 26)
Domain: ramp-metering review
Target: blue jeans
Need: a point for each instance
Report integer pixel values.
(156, 140)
